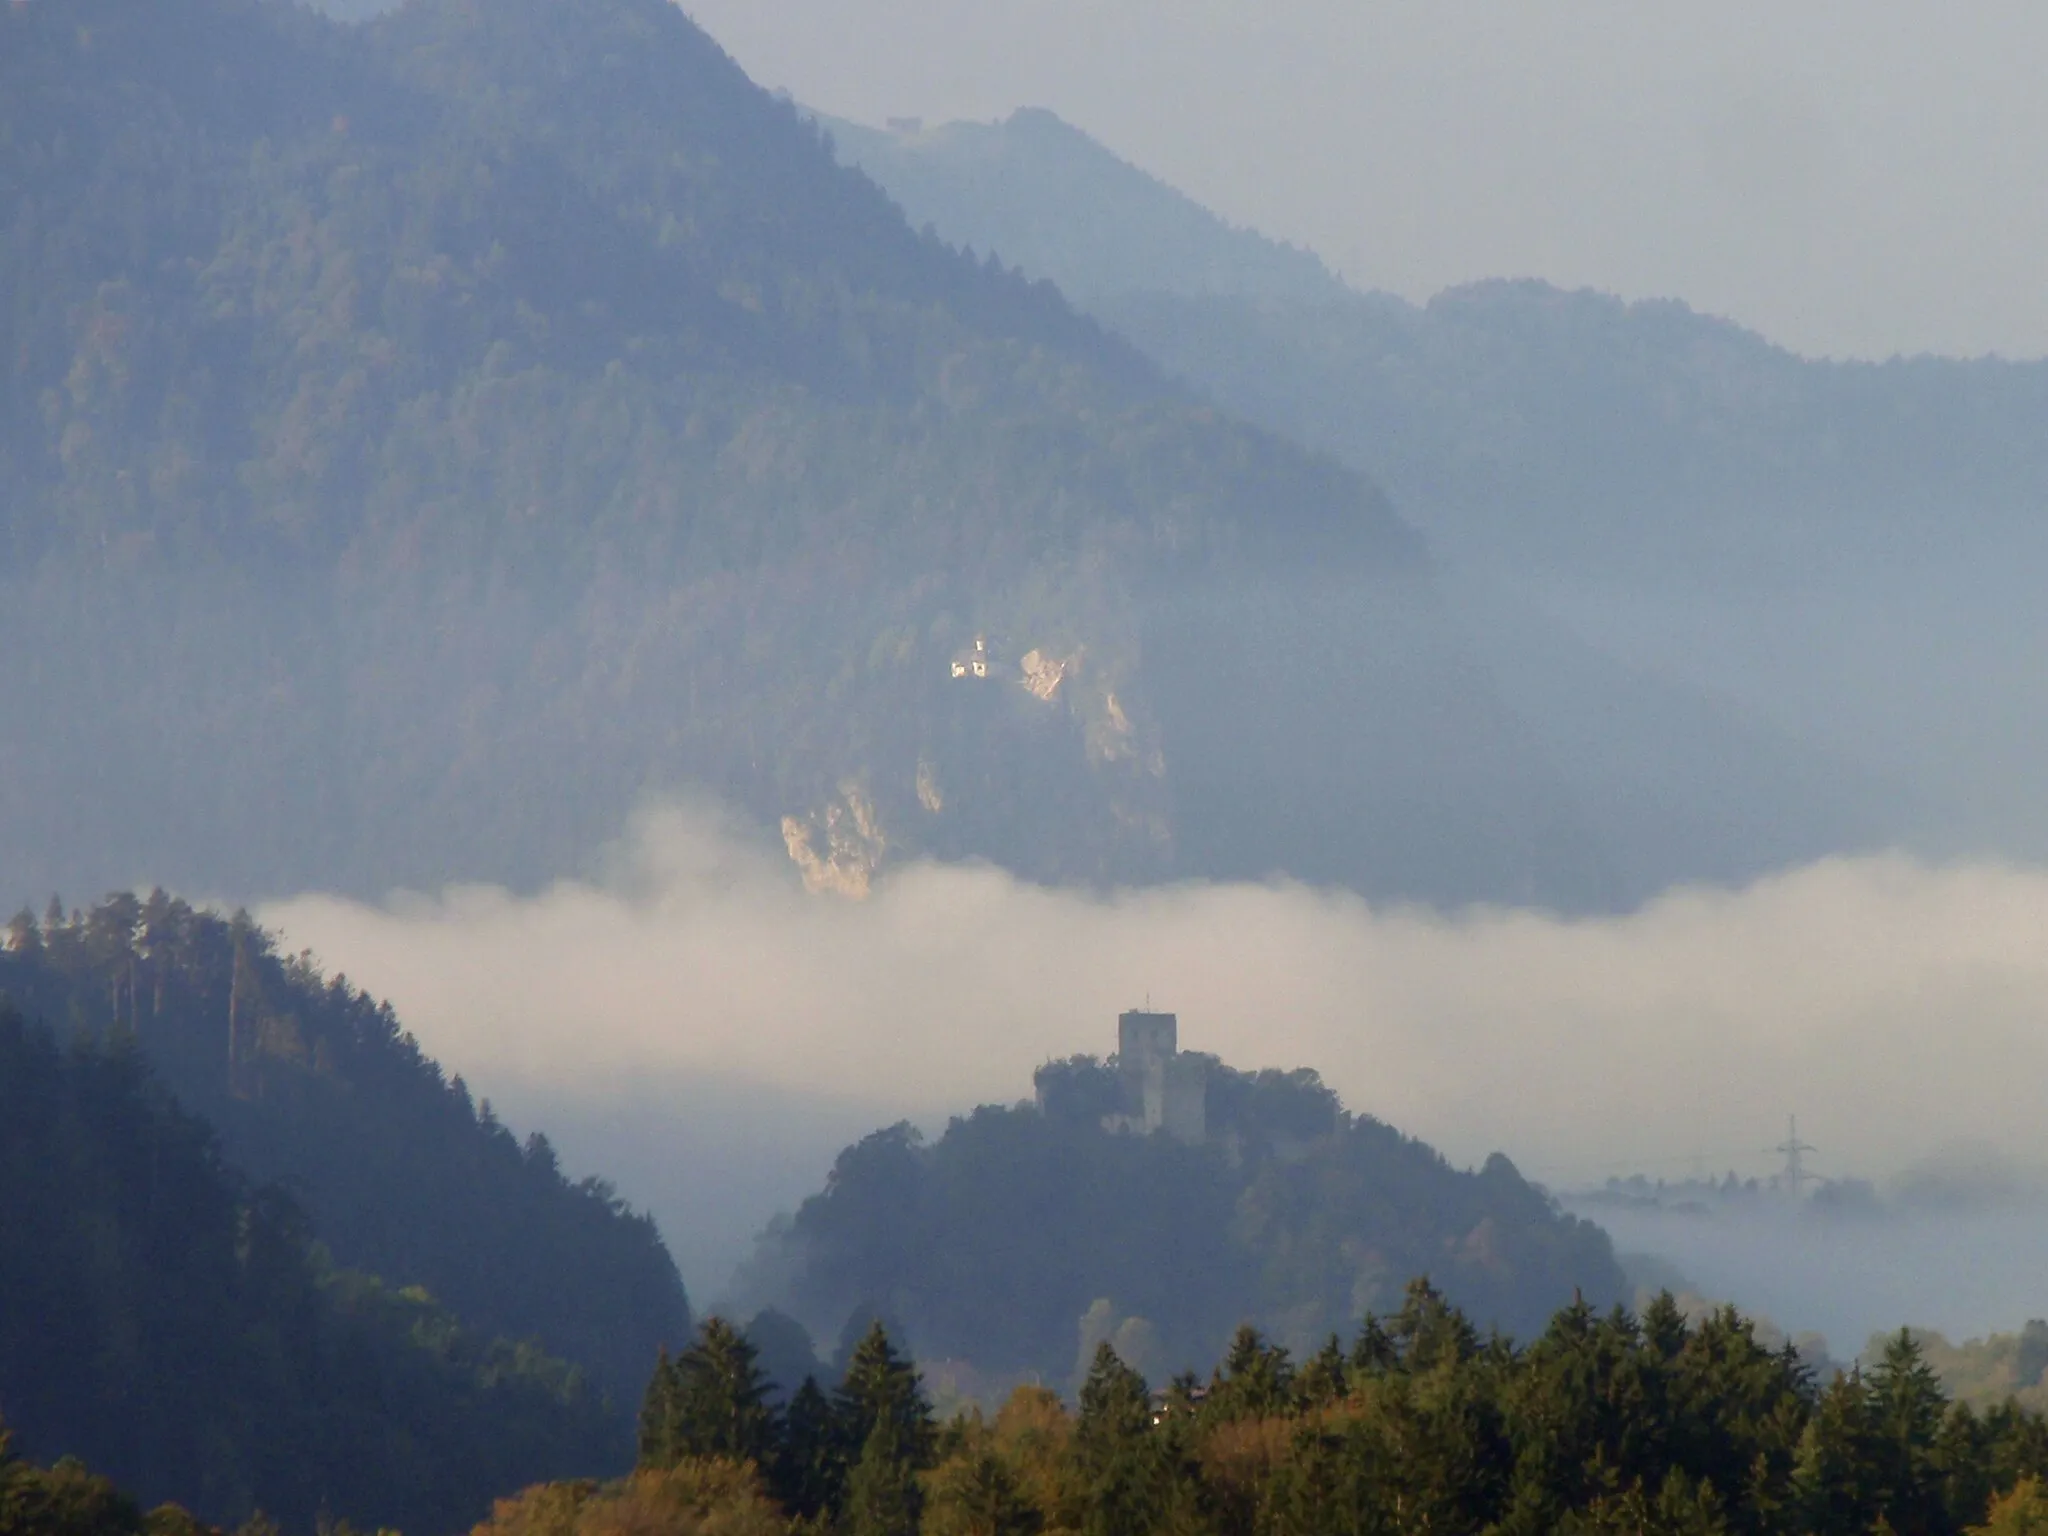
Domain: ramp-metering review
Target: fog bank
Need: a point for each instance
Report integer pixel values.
(696, 1026)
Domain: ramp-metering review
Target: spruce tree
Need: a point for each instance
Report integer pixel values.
(973, 1492)
(882, 1493)
(721, 1398)
(1326, 1377)
(1256, 1379)
(809, 1470)
(1375, 1353)
(1118, 1463)
(1907, 1406)
(660, 1418)
(881, 1388)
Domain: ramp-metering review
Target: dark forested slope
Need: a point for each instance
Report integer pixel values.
(419, 441)
(312, 1086)
(1020, 1229)
(170, 1324)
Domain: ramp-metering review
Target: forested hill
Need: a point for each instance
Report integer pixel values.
(313, 1086)
(1024, 1234)
(489, 415)
(174, 1326)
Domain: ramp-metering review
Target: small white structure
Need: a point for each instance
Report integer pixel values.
(972, 662)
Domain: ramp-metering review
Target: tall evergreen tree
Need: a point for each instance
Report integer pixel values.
(973, 1492)
(882, 1493)
(661, 1417)
(721, 1397)
(1326, 1377)
(883, 1390)
(1907, 1407)
(809, 1471)
(1118, 1463)
(1255, 1381)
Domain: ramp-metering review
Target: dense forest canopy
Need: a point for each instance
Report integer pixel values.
(1021, 1231)
(493, 414)
(313, 1086)
(1599, 1423)
(178, 1329)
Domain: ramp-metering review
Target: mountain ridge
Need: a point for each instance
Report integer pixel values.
(537, 422)
(1687, 520)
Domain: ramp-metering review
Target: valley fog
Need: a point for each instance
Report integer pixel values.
(696, 1026)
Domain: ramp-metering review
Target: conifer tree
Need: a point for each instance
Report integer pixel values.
(1428, 1331)
(1836, 1478)
(1375, 1353)
(1907, 1406)
(1664, 1325)
(809, 1470)
(973, 1492)
(882, 1494)
(1255, 1381)
(660, 1418)
(1117, 1461)
(1325, 1379)
(882, 1389)
(721, 1397)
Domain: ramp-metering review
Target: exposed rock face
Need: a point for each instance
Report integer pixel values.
(1043, 674)
(929, 795)
(853, 845)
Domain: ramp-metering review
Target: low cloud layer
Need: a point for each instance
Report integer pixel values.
(696, 1025)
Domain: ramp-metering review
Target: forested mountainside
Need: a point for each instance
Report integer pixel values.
(1021, 1230)
(1041, 195)
(489, 415)
(1627, 438)
(178, 1329)
(1513, 421)
(313, 1087)
(1754, 607)
(1835, 557)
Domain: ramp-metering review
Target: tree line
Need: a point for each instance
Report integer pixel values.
(1605, 1423)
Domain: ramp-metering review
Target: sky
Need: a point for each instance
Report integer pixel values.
(1850, 177)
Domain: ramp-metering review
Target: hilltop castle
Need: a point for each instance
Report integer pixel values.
(1160, 1089)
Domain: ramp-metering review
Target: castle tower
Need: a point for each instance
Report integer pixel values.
(1160, 1089)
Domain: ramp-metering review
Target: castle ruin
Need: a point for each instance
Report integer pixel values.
(1160, 1089)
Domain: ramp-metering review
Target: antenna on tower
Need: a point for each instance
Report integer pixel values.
(1793, 1150)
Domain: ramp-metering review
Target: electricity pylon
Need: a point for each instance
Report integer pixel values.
(1793, 1150)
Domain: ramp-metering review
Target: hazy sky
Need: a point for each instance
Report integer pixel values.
(1849, 176)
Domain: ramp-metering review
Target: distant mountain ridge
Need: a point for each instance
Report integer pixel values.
(1042, 195)
(494, 414)
(1686, 523)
